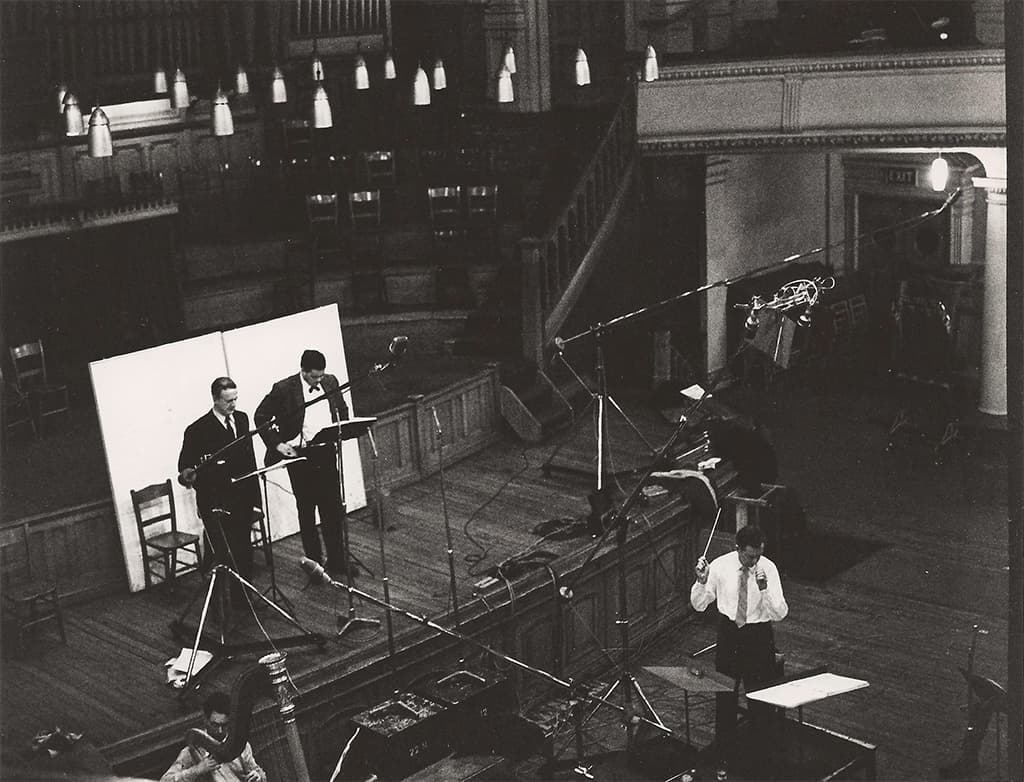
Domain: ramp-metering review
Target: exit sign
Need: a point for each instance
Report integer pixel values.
(901, 176)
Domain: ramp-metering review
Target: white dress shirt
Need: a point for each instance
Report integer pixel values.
(767, 605)
(315, 417)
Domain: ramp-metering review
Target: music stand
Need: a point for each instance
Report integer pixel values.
(275, 593)
(336, 434)
(692, 676)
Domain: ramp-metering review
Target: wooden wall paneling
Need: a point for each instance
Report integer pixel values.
(165, 162)
(130, 157)
(582, 626)
(398, 461)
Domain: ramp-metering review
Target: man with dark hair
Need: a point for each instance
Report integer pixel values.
(227, 509)
(748, 591)
(195, 764)
(297, 410)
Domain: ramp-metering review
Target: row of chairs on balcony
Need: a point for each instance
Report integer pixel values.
(455, 212)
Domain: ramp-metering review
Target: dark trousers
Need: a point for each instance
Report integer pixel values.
(229, 538)
(316, 486)
(747, 654)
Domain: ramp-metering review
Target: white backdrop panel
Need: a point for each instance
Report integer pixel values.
(144, 401)
(260, 355)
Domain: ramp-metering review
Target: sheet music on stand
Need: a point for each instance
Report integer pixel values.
(799, 692)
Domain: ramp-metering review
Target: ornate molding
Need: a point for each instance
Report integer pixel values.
(845, 64)
(825, 140)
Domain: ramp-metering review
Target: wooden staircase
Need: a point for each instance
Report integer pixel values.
(532, 404)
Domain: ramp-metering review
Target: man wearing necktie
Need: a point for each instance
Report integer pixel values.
(289, 418)
(227, 509)
(746, 586)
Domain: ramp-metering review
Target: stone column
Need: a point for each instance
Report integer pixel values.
(992, 399)
(524, 25)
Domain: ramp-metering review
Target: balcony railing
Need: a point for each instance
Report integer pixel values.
(556, 263)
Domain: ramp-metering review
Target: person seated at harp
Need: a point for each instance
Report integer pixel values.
(209, 459)
(289, 419)
(196, 764)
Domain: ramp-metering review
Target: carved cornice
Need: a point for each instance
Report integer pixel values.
(826, 140)
(846, 64)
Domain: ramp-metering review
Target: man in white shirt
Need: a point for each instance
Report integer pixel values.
(746, 586)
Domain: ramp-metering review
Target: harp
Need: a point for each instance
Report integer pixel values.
(246, 692)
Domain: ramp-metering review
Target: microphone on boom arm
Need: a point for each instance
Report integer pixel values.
(396, 349)
(315, 571)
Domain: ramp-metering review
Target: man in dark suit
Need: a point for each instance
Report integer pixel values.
(296, 418)
(227, 509)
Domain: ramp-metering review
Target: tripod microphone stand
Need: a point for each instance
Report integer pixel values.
(447, 524)
(600, 401)
(626, 680)
(220, 578)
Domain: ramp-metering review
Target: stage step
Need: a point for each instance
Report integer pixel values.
(533, 406)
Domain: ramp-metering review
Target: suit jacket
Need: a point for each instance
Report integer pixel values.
(286, 405)
(205, 436)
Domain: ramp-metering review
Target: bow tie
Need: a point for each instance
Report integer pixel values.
(314, 389)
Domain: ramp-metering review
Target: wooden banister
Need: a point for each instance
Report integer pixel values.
(555, 263)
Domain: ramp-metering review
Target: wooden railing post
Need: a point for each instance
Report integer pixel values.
(531, 258)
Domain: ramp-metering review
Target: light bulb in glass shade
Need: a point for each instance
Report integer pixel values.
(160, 81)
(939, 173)
(74, 123)
(223, 124)
(509, 59)
(582, 68)
(420, 88)
(278, 90)
(651, 64)
(440, 77)
(62, 91)
(361, 74)
(241, 81)
(389, 67)
(506, 94)
(100, 142)
(179, 94)
(322, 109)
(318, 68)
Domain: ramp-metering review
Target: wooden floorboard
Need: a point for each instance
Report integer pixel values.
(902, 618)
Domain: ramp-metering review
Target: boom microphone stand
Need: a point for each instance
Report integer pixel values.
(317, 573)
(378, 518)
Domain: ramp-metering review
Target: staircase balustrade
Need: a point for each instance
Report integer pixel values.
(562, 254)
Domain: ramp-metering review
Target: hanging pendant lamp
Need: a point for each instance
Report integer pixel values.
(100, 142)
(361, 74)
(62, 92)
(179, 95)
(651, 64)
(420, 88)
(278, 90)
(440, 78)
(939, 173)
(389, 66)
(582, 68)
(241, 81)
(506, 94)
(322, 109)
(223, 124)
(509, 59)
(74, 124)
(160, 81)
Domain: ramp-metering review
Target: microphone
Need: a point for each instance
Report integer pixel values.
(437, 424)
(315, 571)
(805, 316)
(398, 346)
